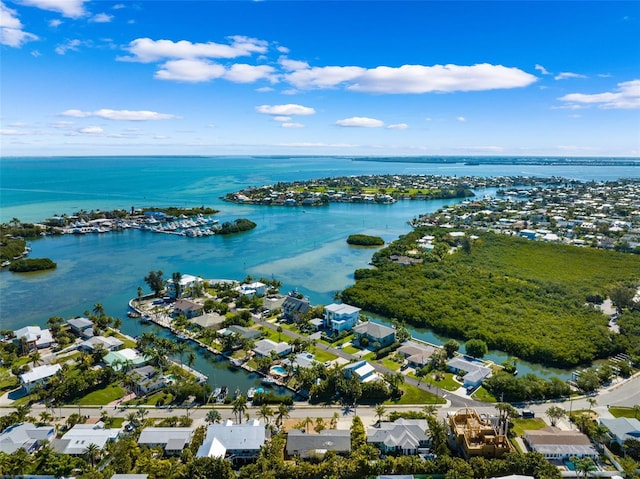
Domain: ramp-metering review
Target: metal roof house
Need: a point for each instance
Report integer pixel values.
(406, 436)
(233, 441)
(172, 439)
(25, 435)
(38, 375)
(305, 445)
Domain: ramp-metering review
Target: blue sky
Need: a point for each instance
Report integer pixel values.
(172, 77)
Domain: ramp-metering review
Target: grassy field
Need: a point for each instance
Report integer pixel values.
(414, 395)
(522, 425)
(481, 394)
(621, 411)
(389, 363)
(321, 355)
(102, 397)
(350, 349)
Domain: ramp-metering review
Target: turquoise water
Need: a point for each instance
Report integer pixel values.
(304, 251)
(279, 370)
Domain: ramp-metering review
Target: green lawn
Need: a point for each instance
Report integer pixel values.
(621, 411)
(102, 396)
(275, 335)
(350, 349)
(414, 395)
(522, 425)
(321, 355)
(388, 363)
(481, 394)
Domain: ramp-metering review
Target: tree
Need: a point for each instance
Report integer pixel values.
(92, 453)
(191, 358)
(554, 413)
(476, 348)
(438, 436)
(265, 412)
(210, 467)
(35, 357)
(239, 407)
(139, 293)
(282, 414)
(451, 347)
(430, 410)
(98, 309)
(358, 435)
(622, 297)
(380, 411)
(155, 281)
(320, 425)
(176, 279)
(583, 465)
(334, 420)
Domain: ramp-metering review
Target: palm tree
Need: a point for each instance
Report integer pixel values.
(213, 416)
(306, 422)
(92, 453)
(334, 420)
(45, 417)
(430, 409)
(380, 410)
(265, 412)
(239, 407)
(98, 309)
(282, 414)
(636, 411)
(132, 417)
(141, 413)
(35, 357)
(320, 425)
(592, 402)
(191, 358)
(554, 413)
(181, 348)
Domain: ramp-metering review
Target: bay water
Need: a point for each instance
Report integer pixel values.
(305, 249)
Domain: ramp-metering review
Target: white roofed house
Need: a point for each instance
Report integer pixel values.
(405, 436)
(253, 289)
(474, 372)
(82, 327)
(38, 375)
(233, 441)
(555, 444)
(340, 317)
(34, 337)
(78, 438)
(305, 445)
(622, 428)
(187, 281)
(265, 347)
(364, 371)
(25, 435)
(171, 439)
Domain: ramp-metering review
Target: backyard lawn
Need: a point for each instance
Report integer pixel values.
(522, 425)
(414, 395)
(621, 411)
(102, 396)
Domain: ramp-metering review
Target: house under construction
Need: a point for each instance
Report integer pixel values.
(476, 436)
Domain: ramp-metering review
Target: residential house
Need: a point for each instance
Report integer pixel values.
(233, 441)
(417, 354)
(474, 372)
(34, 337)
(147, 379)
(78, 438)
(243, 332)
(293, 307)
(187, 281)
(476, 436)
(264, 347)
(253, 289)
(189, 308)
(303, 444)
(301, 360)
(362, 370)
(403, 436)
(108, 343)
(127, 356)
(81, 327)
(171, 439)
(340, 317)
(38, 375)
(556, 444)
(370, 334)
(25, 435)
(622, 428)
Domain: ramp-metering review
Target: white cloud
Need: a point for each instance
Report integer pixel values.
(292, 125)
(190, 71)
(282, 49)
(146, 50)
(102, 18)
(13, 132)
(287, 110)
(626, 96)
(567, 75)
(461, 119)
(360, 122)
(68, 8)
(323, 77)
(289, 91)
(119, 6)
(242, 73)
(292, 65)
(398, 126)
(11, 33)
(282, 118)
(61, 125)
(127, 115)
(542, 69)
(264, 89)
(440, 78)
(69, 45)
(91, 130)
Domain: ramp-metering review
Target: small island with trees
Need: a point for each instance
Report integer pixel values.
(32, 264)
(365, 240)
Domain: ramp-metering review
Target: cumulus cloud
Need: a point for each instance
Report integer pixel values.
(292, 125)
(242, 73)
(461, 119)
(102, 18)
(626, 96)
(70, 45)
(11, 32)
(323, 77)
(282, 118)
(190, 71)
(55, 23)
(542, 69)
(292, 65)
(567, 75)
(360, 122)
(146, 50)
(127, 115)
(90, 130)
(398, 126)
(289, 109)
(68, 8)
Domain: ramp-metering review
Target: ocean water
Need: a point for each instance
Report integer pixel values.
(305, 250)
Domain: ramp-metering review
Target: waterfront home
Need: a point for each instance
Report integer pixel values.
(38, 375)
(108, 343)
(622, 428)
(303, 444)
(233, 441)
(293, 308)
(187, 282)
(373, 334)
(340, 317)
(147, 379)
(243, 332)
(265, 347)
(417, 354)
(474, 371)
(171, 439)
(556, 444)
(78, 438)
(128, 356)
(364, 371)
(189, 308)
(253, 289)
(34, 337)
(26, 436)
(403, 436)
(301, 360)
(81, 327)
(476, 436)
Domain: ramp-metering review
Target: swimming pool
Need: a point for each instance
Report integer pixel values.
(279, 370)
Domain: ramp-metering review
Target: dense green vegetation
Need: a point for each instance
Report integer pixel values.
(365, 240)
(239, 225)
(176, 211)
(526, 298)
(35, 264)
(11, 248)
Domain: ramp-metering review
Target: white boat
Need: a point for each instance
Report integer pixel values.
(250, 393)
(268, 380)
